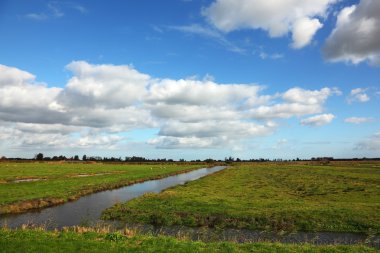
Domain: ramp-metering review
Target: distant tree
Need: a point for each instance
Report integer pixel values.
(84, 158)
(76, 158)
(62, 157)
(39, 157)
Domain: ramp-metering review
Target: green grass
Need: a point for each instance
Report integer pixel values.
(342, 197)
(61, 182)
(29, 241)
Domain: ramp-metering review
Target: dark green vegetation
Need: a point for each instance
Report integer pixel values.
(59, 182)
(29, 241)
(342, 197)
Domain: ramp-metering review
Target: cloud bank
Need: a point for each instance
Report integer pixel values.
(100, 103)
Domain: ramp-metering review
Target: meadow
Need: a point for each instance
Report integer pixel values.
(338, 197)
(90, 240)
(25, 186)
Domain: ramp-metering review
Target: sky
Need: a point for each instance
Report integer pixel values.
(190, 79)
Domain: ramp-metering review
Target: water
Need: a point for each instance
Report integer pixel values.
(87, 209)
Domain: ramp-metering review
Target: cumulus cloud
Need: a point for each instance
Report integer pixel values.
(196, 92)
(24, 136)
(304, 30)
(30, 136)
(11, 76)
(296, 102)
(300, 18)
(356, 37)
(318, 120)
(18, 103)
(100, 103)
(358, 95)
(358, 120)
(213, 133)
(103, 85)
(372, 143)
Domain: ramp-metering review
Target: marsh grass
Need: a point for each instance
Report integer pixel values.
(273, 197)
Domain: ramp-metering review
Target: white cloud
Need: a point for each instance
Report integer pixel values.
(356, 37)
(303, 31)
(103, 85)
(30, 136)
(296, 102)
(101, 102)
(18, 103)
(196, 92)
(278, 18)
(168, 142)
(213, 133)
(318, 120)
(358, 120)
(372, 143)
(106, 140)
(358, 95)
(11, 76)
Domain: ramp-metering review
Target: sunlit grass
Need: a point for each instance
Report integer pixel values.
(275, 197)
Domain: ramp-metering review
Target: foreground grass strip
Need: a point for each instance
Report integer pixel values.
(29, 241)
(68, 181)
(272, 197)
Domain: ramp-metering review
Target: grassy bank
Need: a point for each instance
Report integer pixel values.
(85, 240)
(24, 186)
(277, 197)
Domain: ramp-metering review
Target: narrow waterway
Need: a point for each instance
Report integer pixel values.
(87, 209)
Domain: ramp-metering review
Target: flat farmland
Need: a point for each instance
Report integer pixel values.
(338, 197)
(24, 186)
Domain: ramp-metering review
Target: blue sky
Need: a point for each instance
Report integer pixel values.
(190, 79)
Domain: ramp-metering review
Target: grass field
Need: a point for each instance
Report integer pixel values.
(29, 241)
(342, 197)
(59, 182)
